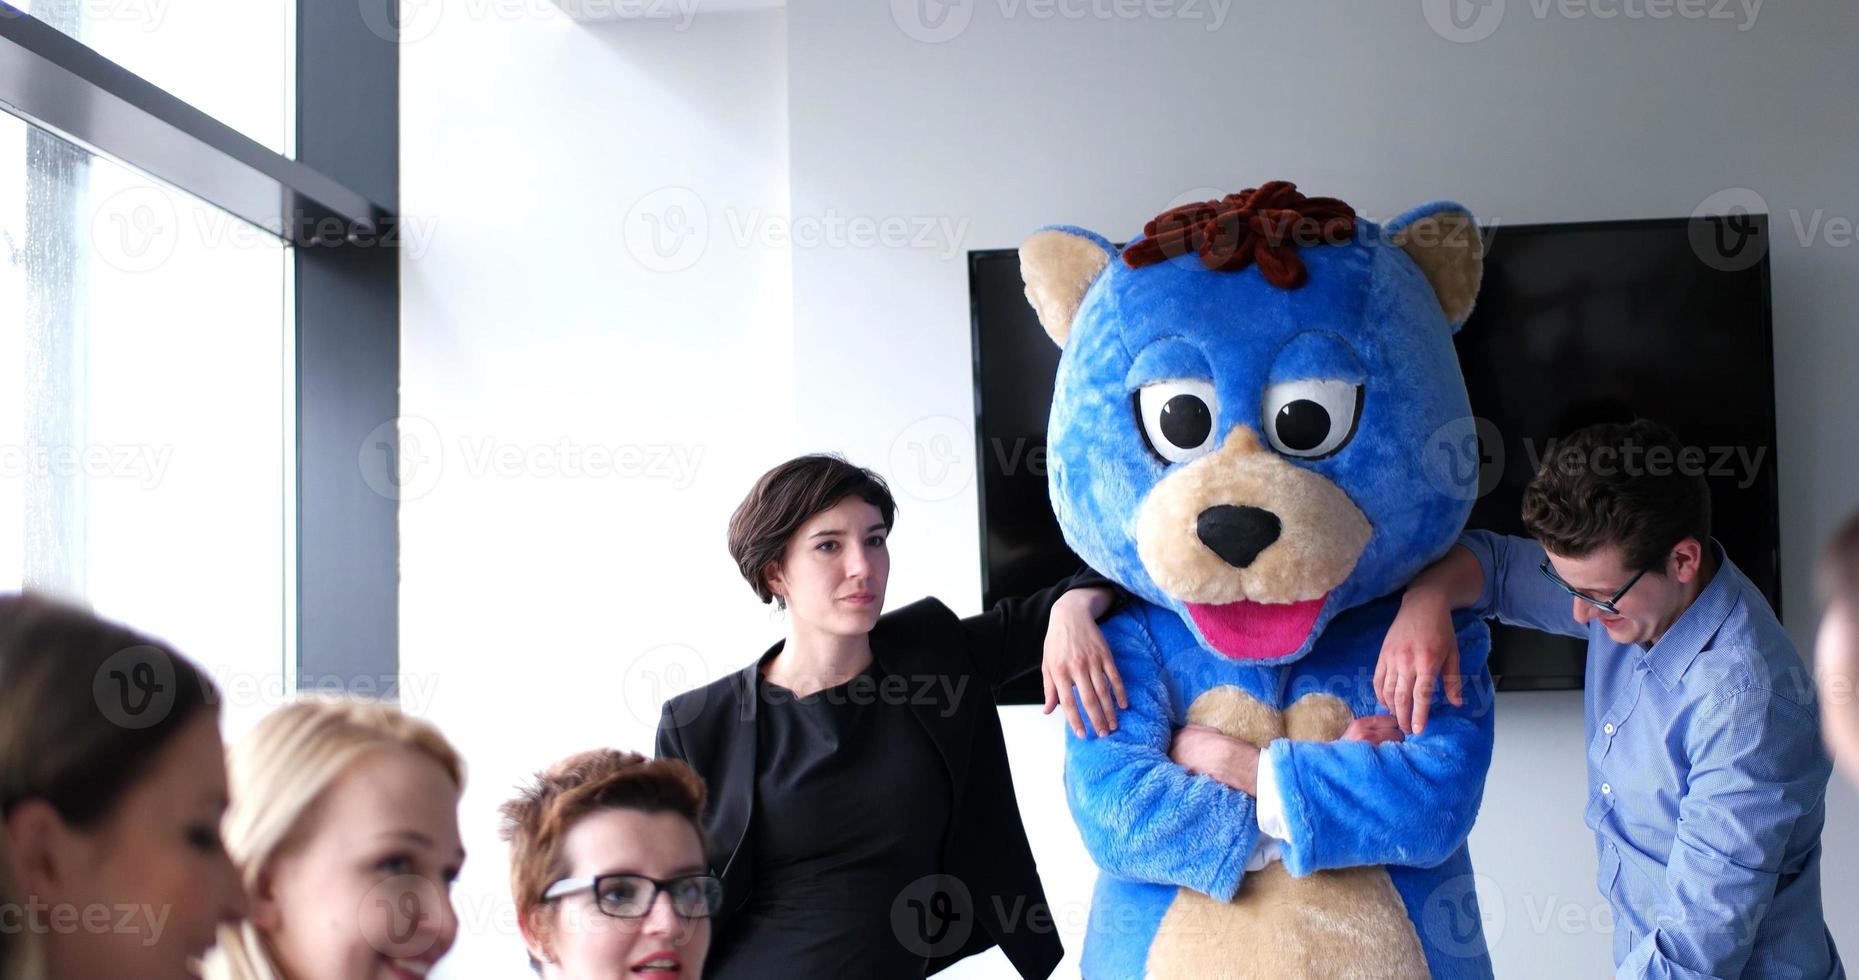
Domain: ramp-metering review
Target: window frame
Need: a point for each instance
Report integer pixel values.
(336, 202)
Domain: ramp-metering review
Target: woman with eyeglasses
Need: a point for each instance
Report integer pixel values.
(344, 825)
(862, 812)
(607, 868)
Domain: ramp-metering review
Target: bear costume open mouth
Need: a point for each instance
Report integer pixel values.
(1248, 630)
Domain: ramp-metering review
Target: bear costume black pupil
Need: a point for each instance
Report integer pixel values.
(1303, 425)
(1186, 421)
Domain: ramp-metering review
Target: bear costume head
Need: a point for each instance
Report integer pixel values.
(1250, 407)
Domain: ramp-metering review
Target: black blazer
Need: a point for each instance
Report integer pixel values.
(713, 729)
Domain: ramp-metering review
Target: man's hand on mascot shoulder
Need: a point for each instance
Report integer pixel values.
(1419, 653)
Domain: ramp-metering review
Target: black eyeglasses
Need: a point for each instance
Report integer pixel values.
(1606, 605)
(628, 896)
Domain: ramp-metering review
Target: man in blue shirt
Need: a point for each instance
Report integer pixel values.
(1706, 774)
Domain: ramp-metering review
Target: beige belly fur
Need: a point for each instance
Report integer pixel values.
(1347, 923)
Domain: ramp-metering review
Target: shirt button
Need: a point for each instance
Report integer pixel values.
(1608, 728)
(1606, 790)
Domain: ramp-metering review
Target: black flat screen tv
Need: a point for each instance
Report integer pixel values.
(1575, 324)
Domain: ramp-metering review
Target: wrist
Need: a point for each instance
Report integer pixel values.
(1426, 597)
(1242, 766)
(1090, 602)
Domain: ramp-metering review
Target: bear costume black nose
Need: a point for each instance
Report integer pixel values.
(1237, 534)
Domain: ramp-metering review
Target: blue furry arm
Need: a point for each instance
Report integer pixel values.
(1407, 803)
(1142, 817)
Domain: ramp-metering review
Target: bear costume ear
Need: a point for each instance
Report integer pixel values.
(1443, 241)
(1058, 265)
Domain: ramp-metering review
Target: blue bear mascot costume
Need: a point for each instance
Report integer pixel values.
(1244, 434)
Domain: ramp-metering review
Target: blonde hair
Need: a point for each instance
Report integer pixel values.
(277, 772)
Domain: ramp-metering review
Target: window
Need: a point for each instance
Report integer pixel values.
(231, 59)
(145, 443)
(199, 328)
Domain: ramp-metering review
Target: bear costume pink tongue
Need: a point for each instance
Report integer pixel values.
(1247, 630)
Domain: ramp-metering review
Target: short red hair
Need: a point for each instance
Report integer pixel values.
(537, 821)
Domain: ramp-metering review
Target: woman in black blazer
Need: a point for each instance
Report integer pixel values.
(860, 809)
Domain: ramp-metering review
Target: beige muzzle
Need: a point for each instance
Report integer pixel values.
(1320, 532)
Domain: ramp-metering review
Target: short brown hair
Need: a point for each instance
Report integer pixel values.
(1839, 566)
(787, 497)
(537, 821)
(64, 737)
(1618, 484)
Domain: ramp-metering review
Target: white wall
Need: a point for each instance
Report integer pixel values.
(547, 609)
(1019, 120)
(527, 600)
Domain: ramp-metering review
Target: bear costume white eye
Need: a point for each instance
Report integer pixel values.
(1311, 419)
(1178, 418)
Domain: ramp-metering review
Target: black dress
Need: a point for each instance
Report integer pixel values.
(854, 803)
(812, 843)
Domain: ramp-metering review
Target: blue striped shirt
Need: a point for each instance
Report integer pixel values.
(1707, 779)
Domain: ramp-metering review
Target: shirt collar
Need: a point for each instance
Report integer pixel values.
(1669, 658)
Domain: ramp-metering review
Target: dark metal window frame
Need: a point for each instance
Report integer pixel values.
(337, 203)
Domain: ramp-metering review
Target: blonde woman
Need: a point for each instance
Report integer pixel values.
(344, 826)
